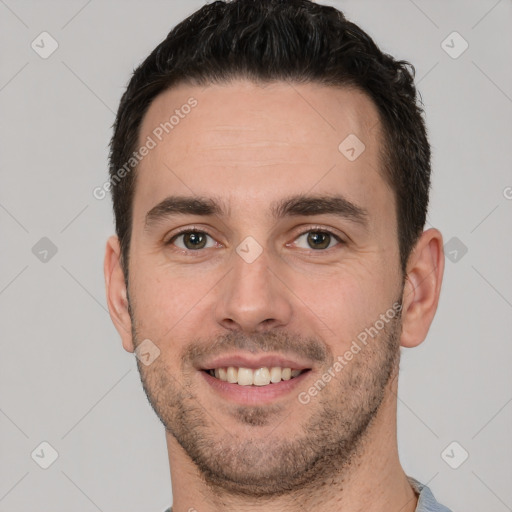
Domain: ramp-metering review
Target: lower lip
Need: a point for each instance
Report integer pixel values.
(254, 395)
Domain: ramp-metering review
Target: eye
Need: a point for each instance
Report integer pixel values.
(191, 240)
(318, 240)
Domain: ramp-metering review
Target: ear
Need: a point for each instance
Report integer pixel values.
(116, 293)
(425, 269)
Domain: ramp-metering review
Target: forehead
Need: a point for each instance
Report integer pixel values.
(295, 113)
(258, 142)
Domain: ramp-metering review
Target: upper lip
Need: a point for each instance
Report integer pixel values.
(254, 362)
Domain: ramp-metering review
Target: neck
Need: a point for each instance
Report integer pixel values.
(374, 481)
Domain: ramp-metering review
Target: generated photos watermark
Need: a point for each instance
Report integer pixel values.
(152, 141)
(342, 360)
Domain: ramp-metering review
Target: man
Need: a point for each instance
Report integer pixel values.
(270, 174)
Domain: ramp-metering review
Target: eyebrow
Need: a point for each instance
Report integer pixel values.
(294, 206)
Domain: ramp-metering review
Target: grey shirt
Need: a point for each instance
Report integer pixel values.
(426, 500)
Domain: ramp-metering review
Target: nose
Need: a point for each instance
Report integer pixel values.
(252, 297)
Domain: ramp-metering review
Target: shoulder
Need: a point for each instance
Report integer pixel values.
(426, 500)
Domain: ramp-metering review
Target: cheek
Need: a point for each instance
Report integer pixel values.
(165, 301)
(344, 304)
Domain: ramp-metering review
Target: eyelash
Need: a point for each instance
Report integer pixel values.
(314, 229)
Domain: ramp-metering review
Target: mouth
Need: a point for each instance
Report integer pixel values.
(263, 376)
(245, 379)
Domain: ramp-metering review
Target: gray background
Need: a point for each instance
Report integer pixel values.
(65, 378)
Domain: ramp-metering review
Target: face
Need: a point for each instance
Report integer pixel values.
(261, 249)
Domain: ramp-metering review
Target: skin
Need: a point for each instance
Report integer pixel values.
(250, 145)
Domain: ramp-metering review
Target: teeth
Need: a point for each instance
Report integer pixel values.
(245, 376)
(259, 377)
(232, 375)
(275, 374)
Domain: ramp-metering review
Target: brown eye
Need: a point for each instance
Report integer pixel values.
(191, 240)
(317, 240)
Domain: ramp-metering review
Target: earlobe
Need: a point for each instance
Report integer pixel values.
(422, 288)
(117, 299)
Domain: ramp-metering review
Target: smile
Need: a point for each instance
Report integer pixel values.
(263, 376)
